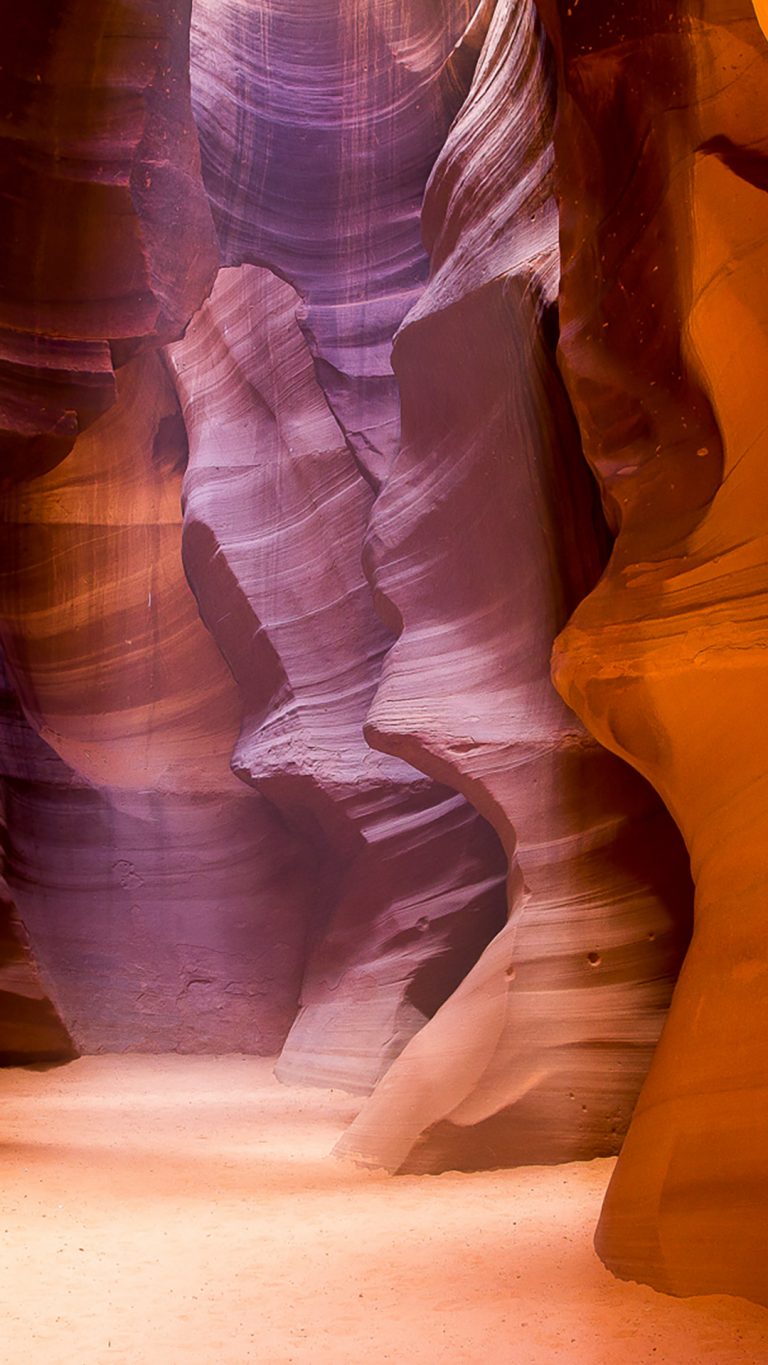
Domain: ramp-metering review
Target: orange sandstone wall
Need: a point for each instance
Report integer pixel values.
(661, 149)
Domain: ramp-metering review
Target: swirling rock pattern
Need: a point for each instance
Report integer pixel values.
(663, 347)
(106, 237)
(166, 904)
(408, 878)
(319, 124)
(110, 662)
(540, 1053)
(343, 892)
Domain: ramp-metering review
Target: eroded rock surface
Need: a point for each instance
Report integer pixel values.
(166, 904)
(482, 539)
(409, 879)
(319, 122)
(30, 1025)
(107, 242)
(379, 560)
(663, 348)
(319, 125)
(317, 166)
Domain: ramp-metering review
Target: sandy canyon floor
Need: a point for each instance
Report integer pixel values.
(169, 1210)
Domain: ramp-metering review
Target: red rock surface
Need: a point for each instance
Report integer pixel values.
(106, 239)
(30, 1025)
(153, 873)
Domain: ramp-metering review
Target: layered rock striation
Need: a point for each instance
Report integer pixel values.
(107, 243)
(661, 156)
(319, 123)
(408, 886)
(483, 538)
(356, 610)
(149, 885)
(166, 904)
(319, 126)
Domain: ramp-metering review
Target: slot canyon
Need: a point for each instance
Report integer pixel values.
(383, 626)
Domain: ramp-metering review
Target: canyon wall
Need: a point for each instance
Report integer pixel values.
(663, 349)
(166, 903)
(331, 892)
(408, 880)
(482, 539)
(310, 312)
(107, 242)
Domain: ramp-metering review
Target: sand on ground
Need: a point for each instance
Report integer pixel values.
(185, 1211)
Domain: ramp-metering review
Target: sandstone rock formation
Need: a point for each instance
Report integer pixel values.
(268, 764)
(30, 1026)
(482, 539)
(152, 874)
(166, 903)
(408, 879)
(663, 348)
(318, 172)
(319, 123)
(106, 240)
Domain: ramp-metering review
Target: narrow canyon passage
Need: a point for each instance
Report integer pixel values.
(383, 641)
(183, 1211)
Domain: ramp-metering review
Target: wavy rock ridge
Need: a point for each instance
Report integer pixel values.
(474, 555)
(319, 124)
(145, 872)
(407, 878)
(107, 243)
(665, 658)
(150, 878)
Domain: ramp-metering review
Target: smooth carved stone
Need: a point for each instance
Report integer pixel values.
(162, 923)
(30, 1027)
(409, 880)
(50, 389)
(100, 631)
(482, 539)
(319, 122)
(319, 125)
(106, 237)
(663, 348)
(165, 903)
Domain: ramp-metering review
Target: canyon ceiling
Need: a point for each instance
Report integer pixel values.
(384, 575)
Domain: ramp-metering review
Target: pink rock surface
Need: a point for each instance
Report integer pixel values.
(408, 879)
(482, 538)
(319, 123)
(358, 610)
(166, 904)
(114, 670)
